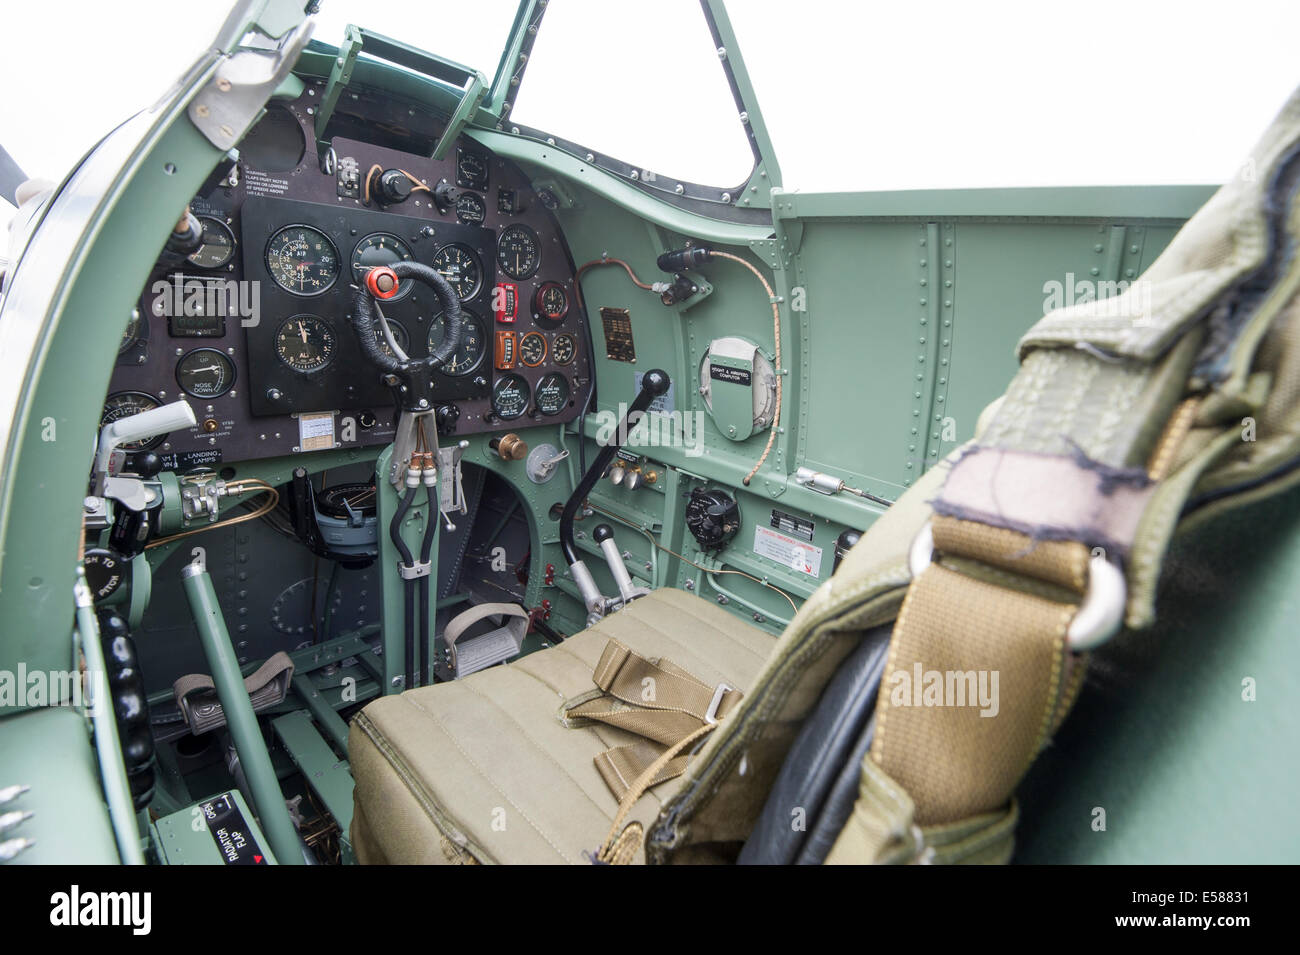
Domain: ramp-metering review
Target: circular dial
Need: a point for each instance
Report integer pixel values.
(551, 302)
(519, 253)
(473, 344)
(135, 328)
(123, 405)
(552, 393)
(381, 248)
(205, 373)
(563, 349)
(399, 335)
(532, 349)
(470, 208)
(471, 171)
(302, 260)
(510, 397)
(460, 266)
(344, 500)
(305, 343)
(218, 246)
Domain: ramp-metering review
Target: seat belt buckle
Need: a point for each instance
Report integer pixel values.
(721, 690)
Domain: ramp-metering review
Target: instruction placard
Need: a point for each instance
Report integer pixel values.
(798, 555)
(316, 431)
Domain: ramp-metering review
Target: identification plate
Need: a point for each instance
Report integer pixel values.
(794, 526)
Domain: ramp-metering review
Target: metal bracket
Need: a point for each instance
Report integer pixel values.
(230, 102)
(340, 77)
(421, 569)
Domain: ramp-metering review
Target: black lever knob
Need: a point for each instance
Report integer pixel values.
(602, 533)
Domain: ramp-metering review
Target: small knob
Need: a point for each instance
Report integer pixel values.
(446, 417)
(510, 447)
(633, 480)
(616, 473)
(602, 533)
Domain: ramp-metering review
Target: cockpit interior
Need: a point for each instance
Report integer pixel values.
(389, 481)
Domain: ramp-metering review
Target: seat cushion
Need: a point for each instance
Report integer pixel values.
(484, 770)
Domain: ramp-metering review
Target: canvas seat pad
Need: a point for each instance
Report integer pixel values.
(484, 769)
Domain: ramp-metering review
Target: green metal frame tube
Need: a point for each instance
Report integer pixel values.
(240, 718)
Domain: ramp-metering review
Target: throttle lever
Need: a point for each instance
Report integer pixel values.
(604, 536)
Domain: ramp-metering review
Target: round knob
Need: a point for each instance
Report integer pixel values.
(656, 381)
(602, 533)
(633, 480)
(394, 187)
(382, 282)
(616, 474)
(446, 417)
(511, 447)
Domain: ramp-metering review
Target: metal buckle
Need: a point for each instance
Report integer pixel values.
(1100, 614)
(721, 690)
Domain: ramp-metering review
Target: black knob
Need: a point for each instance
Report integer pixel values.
(656, 382)
(446, 416)
(145, 463)
(394, 186)
(602, 533)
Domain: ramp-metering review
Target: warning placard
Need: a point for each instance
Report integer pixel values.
(798, 555)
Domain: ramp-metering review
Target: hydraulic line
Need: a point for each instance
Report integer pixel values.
(408, 585)
(426, 553)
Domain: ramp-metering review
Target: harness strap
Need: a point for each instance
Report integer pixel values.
(656, 700)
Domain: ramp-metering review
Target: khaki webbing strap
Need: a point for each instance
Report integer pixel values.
(196, 694)
(977, 678)
(655, 699)
(992, 634)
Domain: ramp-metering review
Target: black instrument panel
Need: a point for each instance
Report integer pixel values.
(254, 327)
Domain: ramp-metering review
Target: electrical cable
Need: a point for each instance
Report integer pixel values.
(776, 335)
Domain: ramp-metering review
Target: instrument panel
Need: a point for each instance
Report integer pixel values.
(254, 326)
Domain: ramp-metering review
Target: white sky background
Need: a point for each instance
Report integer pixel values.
(872, 95)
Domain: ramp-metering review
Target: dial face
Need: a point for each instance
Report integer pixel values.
(305, 343)
(473, 344)
(563, 349)
(532, 349)
(135, 328)
(218, 246)
(552, 393)
(382, 248)
(399, 335)
(460, 267)
(205, 373)
(510, 397)
(519, 253)
(551, 302)
(346, 500)
(470, 208)
(471, 170)
(124, 404)
(302, 260)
